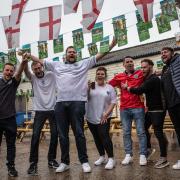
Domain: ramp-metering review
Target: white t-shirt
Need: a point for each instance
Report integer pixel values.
(44, 90)
(99, 100)
(71, 79)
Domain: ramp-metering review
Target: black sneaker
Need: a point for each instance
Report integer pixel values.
(12, 171)
(33, 170)
(53, 164)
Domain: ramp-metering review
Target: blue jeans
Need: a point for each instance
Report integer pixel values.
(71, 113)
(127, 116)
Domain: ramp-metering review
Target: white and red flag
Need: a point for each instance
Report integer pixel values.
(12, 23)
(90, 12)
(70, 6)
(145, 8)
(17, 11)
(50, 22)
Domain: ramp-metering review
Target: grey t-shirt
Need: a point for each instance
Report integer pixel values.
(98, 102)
(7, 97)
(71, 79)
(44, 90)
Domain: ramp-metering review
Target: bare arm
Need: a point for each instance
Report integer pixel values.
(33, 58)
(20, 69)
(107, 113)
(99, 56)
(27, 72)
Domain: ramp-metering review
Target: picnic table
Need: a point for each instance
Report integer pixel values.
(28, 127)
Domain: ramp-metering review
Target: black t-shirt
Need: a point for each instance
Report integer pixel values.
(152, 89)
(7, 97)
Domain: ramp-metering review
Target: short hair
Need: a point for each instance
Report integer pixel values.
(101, 68)
(127, 57)
(69, 47)
(9, 64)
(34, 63)
(149, 61)
(168, 48)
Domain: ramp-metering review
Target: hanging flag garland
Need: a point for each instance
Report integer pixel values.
(43, 49)
(145, 8)
(58, 44)
(50, 22)
(78, 39)
(120, 31)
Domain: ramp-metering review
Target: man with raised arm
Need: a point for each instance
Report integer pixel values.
(8, 87)
(71, 81)
(44, 100)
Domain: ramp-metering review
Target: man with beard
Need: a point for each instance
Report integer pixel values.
(71, 81)
(44, 99)
(131, 108)
(8, 87)
(156, 110)
(171, 88)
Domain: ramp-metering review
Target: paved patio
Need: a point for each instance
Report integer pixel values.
(130, 172)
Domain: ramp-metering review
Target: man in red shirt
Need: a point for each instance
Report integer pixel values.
(131, 108)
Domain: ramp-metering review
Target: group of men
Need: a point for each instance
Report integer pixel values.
(60, 94)
(161, 94)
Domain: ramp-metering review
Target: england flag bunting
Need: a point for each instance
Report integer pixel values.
(145, 8)
(90, 12)
(12, 23)
(70, 6)
(50, 22)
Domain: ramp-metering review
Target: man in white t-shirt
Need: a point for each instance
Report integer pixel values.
(44, 100)
(71, 81)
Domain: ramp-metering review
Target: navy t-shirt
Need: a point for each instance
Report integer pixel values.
(7, 97)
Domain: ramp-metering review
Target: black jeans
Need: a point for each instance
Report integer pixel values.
(71, 112)
(102, 138)
(39, 120)
(174, 114)
(8, 126)
(156, 119)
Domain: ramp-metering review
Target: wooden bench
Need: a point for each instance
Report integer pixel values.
(21, 131)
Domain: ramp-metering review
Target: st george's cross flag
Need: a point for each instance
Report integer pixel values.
(70, 6)
(12, 23)
(145, 8)
(50, 22)
(90, 12)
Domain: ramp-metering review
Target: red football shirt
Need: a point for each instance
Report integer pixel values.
(127, 99)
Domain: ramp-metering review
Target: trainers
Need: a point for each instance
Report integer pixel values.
(53, 164)
(150, 153)
(86, 167)
(128, 159)
(110, 164)
(12, 171)
(33, 170)
(142, 160)
(62, 167)
(177, 165)
(100, 161)
(161, 163)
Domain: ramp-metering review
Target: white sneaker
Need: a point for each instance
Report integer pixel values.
(128, 159)
(100, 161)
(62, 167)
(86, 167)
(177, 165)
(142, 160)
(110, 164)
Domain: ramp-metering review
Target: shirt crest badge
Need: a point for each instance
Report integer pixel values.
(136, 76)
